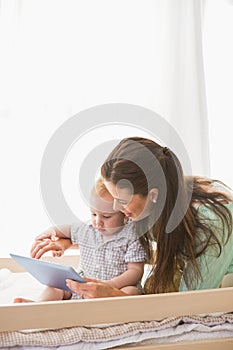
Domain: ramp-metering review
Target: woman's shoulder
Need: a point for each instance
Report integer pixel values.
(222, 188)
(210, 191)
(208, 209)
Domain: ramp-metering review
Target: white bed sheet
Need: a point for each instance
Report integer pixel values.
(20, 284)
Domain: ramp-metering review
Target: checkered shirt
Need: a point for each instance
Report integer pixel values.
(104, 260)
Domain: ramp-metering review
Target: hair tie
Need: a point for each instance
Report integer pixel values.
(166, 151)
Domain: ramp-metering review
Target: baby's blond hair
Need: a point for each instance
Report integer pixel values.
(100, 188)
(101, 191)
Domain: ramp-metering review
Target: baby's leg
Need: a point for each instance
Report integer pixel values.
(131, 290)
(49, 294)
(22, 300)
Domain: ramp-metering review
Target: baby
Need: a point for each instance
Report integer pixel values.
(109, 249)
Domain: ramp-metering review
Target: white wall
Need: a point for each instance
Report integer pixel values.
(41, 91)
(218, 55)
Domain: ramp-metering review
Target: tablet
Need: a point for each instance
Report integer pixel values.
(50, 274)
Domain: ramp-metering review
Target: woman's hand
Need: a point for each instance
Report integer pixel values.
(48, 241)
(93, 289)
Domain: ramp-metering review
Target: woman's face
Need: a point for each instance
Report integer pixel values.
(133, 206)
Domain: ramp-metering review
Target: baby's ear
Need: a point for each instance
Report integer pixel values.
(153, 195)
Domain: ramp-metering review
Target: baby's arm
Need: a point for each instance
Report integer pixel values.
(130, 277)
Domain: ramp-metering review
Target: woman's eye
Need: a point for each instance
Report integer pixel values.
(123, 202)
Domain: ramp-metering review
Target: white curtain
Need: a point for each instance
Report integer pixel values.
(60, 57)
(218, 58)
(182, 92)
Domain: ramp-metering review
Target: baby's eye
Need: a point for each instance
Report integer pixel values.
(106, 216)
(93, 214)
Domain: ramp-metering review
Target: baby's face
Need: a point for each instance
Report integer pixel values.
(104, 218)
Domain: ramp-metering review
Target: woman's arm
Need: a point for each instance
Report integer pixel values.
(94, 289)
(55, 239)
(111, 288)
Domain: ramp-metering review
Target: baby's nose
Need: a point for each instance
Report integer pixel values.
(99, 222)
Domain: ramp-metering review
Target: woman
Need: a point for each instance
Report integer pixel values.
(188, 218)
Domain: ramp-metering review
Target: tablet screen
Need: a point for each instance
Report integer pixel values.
(48, 273)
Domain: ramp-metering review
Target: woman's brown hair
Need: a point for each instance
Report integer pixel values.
(145, 165)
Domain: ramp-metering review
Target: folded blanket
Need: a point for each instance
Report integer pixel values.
(105, 337)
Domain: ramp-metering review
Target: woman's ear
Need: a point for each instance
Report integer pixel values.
(153, 195)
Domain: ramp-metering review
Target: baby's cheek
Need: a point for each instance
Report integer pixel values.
(93, 223)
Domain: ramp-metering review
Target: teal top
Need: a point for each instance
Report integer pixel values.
(212, 267)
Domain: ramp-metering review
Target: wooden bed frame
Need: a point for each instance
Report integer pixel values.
(62, 314)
